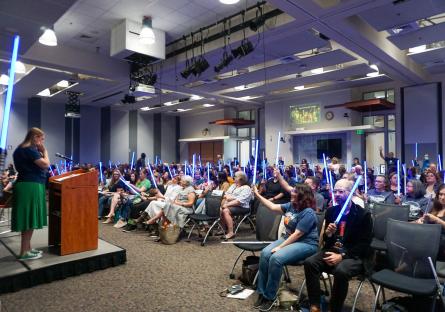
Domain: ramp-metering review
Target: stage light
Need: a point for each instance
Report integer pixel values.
(299, 88)
(258, 21)
(48, 37)
(147, 36)
(199, 66)
(245, 48)
(208, 105)
(225, 61)
(63, 84)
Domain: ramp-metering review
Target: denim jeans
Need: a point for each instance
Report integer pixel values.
(102, 202)
(271, 265)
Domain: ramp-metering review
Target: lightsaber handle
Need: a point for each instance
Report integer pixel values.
(342, 211)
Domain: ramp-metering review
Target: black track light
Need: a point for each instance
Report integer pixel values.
(225, 61)
(245, 48)
(200, 66)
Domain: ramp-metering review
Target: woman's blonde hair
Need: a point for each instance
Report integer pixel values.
(32, 133)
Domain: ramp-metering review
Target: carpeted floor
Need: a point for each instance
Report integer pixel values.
(156, 277)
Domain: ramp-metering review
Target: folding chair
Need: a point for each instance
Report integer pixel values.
(5, 215)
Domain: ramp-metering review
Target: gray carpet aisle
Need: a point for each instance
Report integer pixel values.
(156, 277)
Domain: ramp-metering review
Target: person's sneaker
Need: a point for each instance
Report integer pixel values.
(267, 305)
(108, 220)
(29, 256)
(258, 302)
(120, 224)
(129, 228)
(36, 251)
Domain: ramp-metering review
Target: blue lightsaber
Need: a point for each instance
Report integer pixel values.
(8, 101)
(413, 163)
(366, 177)
(71, 163)
(278, 148)
(328, 177)
(151, 174)
(398, 177)
(110, 164)
(193, 159)
(208, 172)
(404, 178)
(58, 170)
(256, 162)
(230, 168)
(156, 160)
(132, 161)
(199, 159)
(65, 166)
(51, 170)
(439, 162)
(185, 167)
(100, 168)
(169, 171)
(129, 185)
(345, 205)
(416, 151)
(332, 188)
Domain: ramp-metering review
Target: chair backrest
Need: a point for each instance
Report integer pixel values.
(381, 213)
(410, 244)
(320, 220)
(267, 223)
(213, 205)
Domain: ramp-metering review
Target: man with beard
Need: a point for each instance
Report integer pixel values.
(345, 246)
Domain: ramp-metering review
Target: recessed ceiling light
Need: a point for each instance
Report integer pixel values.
(229, 1)
(20, 68)
(145, 108)
(298, 88)
(183, 109)
(195, 97)
(63, 84)
(239, 88)
(374, 73)
(417, 49)
(4, 79)
(208, 105)
(317, 71)
(45, 92)
(48, 38)
(169, 103)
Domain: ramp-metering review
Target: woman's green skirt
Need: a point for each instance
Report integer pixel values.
(28, 206)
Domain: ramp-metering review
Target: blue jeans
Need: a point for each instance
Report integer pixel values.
(271, 265)
(104, 200)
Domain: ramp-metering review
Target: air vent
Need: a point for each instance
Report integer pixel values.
(86, 38)
(288, 59)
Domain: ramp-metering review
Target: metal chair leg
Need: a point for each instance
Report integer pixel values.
(239, 224)
(231, 275)
(357, 294)
(286, 274)
(301, 289)
(191, 230)
(208, 232)
(376, 300)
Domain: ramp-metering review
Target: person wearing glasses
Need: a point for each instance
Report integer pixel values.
(346, 245)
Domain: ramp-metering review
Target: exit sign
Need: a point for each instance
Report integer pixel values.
(360, 131)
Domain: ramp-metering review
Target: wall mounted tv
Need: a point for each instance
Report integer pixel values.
(330, 147)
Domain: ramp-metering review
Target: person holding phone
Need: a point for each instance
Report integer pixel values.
(29, 198)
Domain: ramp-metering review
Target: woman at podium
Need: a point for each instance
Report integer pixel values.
(29, 204)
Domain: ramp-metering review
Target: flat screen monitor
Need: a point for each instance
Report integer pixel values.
(330, 147)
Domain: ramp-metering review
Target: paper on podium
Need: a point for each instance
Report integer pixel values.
(67, 177)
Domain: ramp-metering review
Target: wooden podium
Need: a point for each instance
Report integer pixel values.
(73, 205)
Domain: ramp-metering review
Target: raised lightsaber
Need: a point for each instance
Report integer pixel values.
(230, 168)
(51, 170)
(208, 172)
(8, 103)
(193, 165)
(100, 168)
(151, 174)
(169, 171)
(439, 162)
(366, 177)
(278, 148)
(132, 161)
(185, 167)
(345, 205)
(398, 177)
(109, 164)
(256, 162)
(58, 170)
(331, 184)
(328, 178)
(404, 178)
(129, 185)
(416, 151)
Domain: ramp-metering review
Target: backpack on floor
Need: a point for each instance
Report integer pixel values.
(249, 270)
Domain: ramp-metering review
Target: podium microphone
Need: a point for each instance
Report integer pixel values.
(63, 156)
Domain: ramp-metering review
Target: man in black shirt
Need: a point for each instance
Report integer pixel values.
(390, 160)
(140, 163)
(345, 246)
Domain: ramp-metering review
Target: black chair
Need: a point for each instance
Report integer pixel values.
(408, 247)
(212, 204)
(381, 213)
(239, 219)
(267, 223)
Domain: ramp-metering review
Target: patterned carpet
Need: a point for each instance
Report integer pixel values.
(156, 277)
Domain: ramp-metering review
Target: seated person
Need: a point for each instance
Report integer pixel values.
(414, 198)
(113, 186)
(437, 215)
(222, 184)
(313, 183)
(142, 185)
(236, 201)
(345, 247)
(432, 180)
(298, 242)
(176, 211)
(379, 194)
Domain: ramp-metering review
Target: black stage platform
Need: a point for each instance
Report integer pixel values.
(16, 275)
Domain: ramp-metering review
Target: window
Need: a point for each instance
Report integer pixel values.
(381, 94)
(376, 121)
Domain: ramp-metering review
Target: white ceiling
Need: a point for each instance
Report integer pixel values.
(359, 31)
